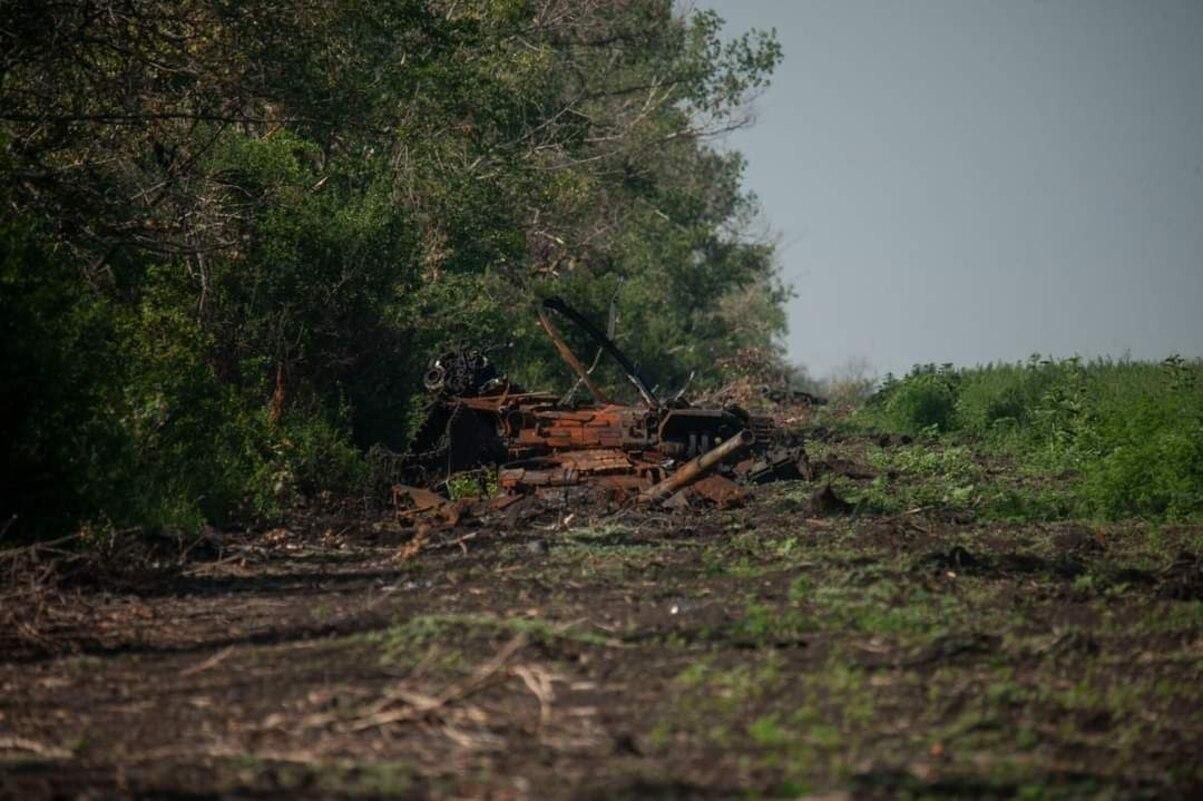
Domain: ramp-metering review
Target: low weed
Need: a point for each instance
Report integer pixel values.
(472, 484)
(766, 625)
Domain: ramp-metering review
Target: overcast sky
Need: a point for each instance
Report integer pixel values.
(966, 181)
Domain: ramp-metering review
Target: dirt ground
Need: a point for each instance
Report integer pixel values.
(780, 650)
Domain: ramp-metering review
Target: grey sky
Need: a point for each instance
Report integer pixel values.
(965, 181)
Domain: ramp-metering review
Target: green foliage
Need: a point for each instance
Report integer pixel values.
(1004, 397)
(234, 237)
(1144, 453)
(61, 376)
(474, 484)
(925, 400)
(1131, 433)
(762, 624)
(309, 454)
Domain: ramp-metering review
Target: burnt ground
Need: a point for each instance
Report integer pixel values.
(916, 645)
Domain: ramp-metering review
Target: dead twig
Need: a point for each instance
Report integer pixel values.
(32, 548)
(419, 705)
(458, 542)
(10, 743)
(539, 681)
(212, 661)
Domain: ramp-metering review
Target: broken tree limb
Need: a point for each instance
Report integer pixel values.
(632, 373)
(570, 358)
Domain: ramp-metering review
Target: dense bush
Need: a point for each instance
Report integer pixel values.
(1142, 451)
(1131, 433)
(1002, 397)
(925, 400)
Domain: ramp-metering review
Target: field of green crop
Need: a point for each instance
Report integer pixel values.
(1128, 435)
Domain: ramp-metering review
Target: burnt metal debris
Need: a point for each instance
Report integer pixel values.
(657, 451)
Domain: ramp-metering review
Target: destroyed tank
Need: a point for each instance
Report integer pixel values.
(542, 443)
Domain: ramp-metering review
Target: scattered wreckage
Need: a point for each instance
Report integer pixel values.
(659, 451)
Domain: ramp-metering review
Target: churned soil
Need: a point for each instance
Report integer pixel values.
(781, 650)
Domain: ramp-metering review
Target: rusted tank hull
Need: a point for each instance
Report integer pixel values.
(537, 442)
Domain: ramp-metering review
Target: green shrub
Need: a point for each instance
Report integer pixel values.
(309, 455)
(64, 452)
(1001, 398)
(1144, 452)
(924, 400)
(1159, 476)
